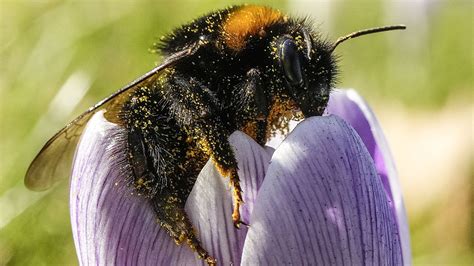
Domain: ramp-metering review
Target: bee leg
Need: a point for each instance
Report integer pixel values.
(261, 104)
(172, 217)
(252, 105)
(195, 108)
(237, 196)
(218, 147)
(231, 172)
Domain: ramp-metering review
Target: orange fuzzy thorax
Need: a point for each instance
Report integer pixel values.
(247, 21)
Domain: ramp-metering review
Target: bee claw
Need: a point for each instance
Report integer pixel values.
(239, 222)
(211, 261)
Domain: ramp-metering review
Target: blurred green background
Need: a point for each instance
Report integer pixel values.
(59, 57)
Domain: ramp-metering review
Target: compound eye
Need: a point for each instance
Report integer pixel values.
(290, 61)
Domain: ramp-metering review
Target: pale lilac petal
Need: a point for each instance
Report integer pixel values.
(350, 106)
(210, 203)
(322, 203)
(113, 227)
(253, 162)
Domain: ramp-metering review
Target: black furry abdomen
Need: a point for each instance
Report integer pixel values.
(163, 159)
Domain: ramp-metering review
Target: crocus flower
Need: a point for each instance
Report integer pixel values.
(327, 195)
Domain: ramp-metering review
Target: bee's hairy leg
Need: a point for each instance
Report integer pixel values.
(237, 196)
(215, 141)
(252, 104)
(195, 107)
(172, 217)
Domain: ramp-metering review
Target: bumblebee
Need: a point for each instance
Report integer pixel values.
(245, 68)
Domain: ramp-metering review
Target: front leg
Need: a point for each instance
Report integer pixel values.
(252, 106)
(194, 107)
(214, 141)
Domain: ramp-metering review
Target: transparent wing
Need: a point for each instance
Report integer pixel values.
(53, 162)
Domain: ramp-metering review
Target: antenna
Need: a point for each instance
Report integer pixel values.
(365, 32)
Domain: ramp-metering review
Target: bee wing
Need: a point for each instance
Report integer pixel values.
(54, 161)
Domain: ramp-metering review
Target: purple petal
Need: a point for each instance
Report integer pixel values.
(111, 226)
(343, 104)
(351, 107)
(322, 203)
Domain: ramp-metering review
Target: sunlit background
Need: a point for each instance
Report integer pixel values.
(58, 57)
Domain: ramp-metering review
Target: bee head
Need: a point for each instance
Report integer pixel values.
(309, 66)
(309, 69)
